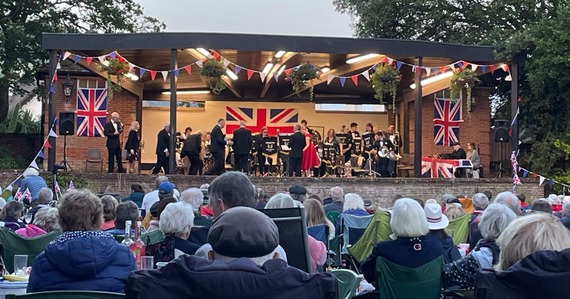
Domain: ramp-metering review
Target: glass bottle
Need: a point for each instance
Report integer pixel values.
(137, 246)
(127, 240)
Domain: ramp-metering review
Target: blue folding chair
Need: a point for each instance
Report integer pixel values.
(353, 227)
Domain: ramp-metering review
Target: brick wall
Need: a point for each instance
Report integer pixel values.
(475, 127)
(123, 102)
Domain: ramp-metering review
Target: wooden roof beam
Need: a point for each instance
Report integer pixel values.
(134, 87)
(269, 78)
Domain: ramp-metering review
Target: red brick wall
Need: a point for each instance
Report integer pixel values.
(475, 127)
(123, 102)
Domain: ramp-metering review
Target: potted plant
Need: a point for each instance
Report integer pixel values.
(303, 75)
(463, 79)
(385, 82)
(116, 66)
(213, 70)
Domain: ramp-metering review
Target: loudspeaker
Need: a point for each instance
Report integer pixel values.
(66, 123)
(502, 130)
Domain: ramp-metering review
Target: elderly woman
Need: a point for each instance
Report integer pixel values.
(195, 198)
(83, 257)
(437, 222)
(454, 211)
(34, 183)
(409, 224)
(45, 221)
(354, 205)
(109, 207)
(176, 220)
(11, 214)
(494, 221)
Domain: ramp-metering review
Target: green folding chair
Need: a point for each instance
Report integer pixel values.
(378, 230)
(348, 280)
(68, 295)
(12, 244)
(458, 229)
(395, 281)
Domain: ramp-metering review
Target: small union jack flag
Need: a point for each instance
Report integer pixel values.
(91, 111)
(446, 120)
(282, 120)
(71, 186)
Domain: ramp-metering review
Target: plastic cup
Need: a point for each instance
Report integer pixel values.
(20, 264)
(147, 262)
(160, 264)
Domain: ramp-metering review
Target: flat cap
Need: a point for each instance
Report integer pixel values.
(297, 189)
(243, 232)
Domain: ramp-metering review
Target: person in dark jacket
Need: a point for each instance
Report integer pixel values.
(177, 220)
(566, 215)
(218, 148)
(112, 131)
(162, 152)
(191, 149)
(243, 262)
(132, 146)
(11, 214)
(83, 257)
(45, 197)
(437, 222)
(136, 196)
(296, 143)
(242, 146)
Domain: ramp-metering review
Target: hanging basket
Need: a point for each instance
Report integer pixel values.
(385, 81)
(213, 70)
(118, 67)
(303, 75)
(463, 79)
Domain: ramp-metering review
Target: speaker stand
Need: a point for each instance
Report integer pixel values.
(64, 163)
(502, 149)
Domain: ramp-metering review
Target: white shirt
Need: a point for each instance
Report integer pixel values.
(149, 199)
(115, 125)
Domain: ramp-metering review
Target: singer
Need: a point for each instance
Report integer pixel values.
(113, 130)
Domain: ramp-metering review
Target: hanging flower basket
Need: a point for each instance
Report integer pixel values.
(463, 79)
(303, 75)
(213, 70)
(385, 82)
(118, 67)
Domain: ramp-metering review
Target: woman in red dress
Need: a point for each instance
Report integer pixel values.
(310, 156)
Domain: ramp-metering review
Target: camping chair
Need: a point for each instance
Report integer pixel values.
(321, 233)
(68, 294)
(395, 281)
(94, 156)
(347, 282)
(334, 243)
(12, 244)
(199, 235)
(458, 229)
(353, 227)
(378, 230)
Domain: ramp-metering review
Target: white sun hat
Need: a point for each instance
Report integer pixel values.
(436, 219)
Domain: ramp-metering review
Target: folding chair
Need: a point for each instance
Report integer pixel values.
(12, 243)
(378, 230)
(458, 229)
(353, 227)
(68, 295)
(321, 233)
(395, 281)
(347, 282)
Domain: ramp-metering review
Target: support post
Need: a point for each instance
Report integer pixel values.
(173, 87)
(51, 107)
(418, 123)
(514, 105)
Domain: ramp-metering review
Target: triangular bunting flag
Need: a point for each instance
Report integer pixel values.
(442, 69)
(366, 75)
(176, 72)
(71, 185)
(66, 55)
(76, 59)
(398, 65)
(152, 75)
(505, 68)
(452, 67)
(164, 75)
(215, 54)
(459, 64)
(525, 173)
(226, 62)
(464, 64)
(249, 74)
(541, 181)
(55, 122)
(374, 66)
(51, 90)
(484, 68)
(237, 69)
(188, 69)
(58, 66)
(101, 58)
(428, 71)
(492, 67)
(329, 79)
(390, 60)
(287, 72)
(276, 76)
(474, 67)
(384, 59)
(354, 79)
(262, 76)
(52, 133)
(131, 66)
(41, 154)
(89, 59)
(141, 72)
(47, 144)
(54, 77)
(56, 187)
(413, 68)
(112, 55)
(34, 165)
(434, 70)
(200, 63)
(550, 183)
(342, 80)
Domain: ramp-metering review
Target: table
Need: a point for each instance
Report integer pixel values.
(12, 288)
(443, 168)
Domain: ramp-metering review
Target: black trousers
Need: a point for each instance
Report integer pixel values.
(161, 162)
(382, 167)
(115, 153)
(194, 163)
(295, 166)
(218, 167)
(241, 163)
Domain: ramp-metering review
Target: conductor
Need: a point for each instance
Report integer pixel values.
(242, 146)
(296, 144)
(218, 148)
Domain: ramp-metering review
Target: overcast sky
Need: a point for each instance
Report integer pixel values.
(291, 17)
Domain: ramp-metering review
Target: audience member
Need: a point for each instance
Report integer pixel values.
(315, 213)
(45, 197)
(177, 220)
(11, 214)
(157, 209)
(83, 257)
(243, 257)
(454, 211)
(298, 193)
(261, 199)
(46, 221)
(480, 203)
(410, 226)
(510, 200)
(337, 196)
(437, 222)
(354, 205)
(150, 198)
(126, 210)
(541, 205)
(136, 196)
(485, 254)
(34, 183)
(489, 194)
(566, 215)
(195, 198)
(109, 206)
(522, 199)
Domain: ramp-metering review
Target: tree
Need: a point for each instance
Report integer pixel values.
(23, 21)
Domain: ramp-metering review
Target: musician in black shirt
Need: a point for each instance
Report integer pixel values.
(458, 152)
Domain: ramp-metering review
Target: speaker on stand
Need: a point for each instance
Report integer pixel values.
(66, 127)
(502, 136)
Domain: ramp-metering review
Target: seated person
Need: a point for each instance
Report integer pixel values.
(136, 196)
(11, 214)
(83, 257)
(126, 210)
(437, 222)
(413, 246)
(109, 205)
(195, 197)
(458, 152)
(176, 220)
(45, 221)
(243, 263)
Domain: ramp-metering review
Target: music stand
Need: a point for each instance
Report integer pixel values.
(270, 150)
(368, 145)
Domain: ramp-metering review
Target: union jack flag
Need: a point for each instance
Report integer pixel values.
(446, 120)
(283, 120)
(91, 111)
(442, 168)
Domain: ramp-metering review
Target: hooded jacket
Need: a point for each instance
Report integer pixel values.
(548, 270)
(82, 260)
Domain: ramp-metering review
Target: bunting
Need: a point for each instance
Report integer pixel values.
(542, 179)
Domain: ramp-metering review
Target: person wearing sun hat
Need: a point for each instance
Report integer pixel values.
(437, 222)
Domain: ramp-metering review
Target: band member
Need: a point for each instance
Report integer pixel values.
(112, 131)
(353, 130)
(369, 128)
(458, 152)
(396, 141)
(347, 150)
(297, 143)
(310, 158)
(132, 146)
(218, 148)
(262, 168)
(191, 149)
(305, 127)
(242, 147)
(205, 152)
(187, 133)
(335, 141)
(376, 129)
(383, 145)
(162, 153)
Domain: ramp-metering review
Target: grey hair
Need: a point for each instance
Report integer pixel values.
(12, 209)
(566, 209)
(257, 260)
(281, 201)
(448, 197)
(110, 203)
(234, 189)
(193, 196)
(510, 200)
(30, 172)
(159, 180)
(176, 218)
(47, 218)
(408, 219)
(480, 201)
(337, 194)
(494, 220)
(45, 195)
(126, 210)
(352, 201)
